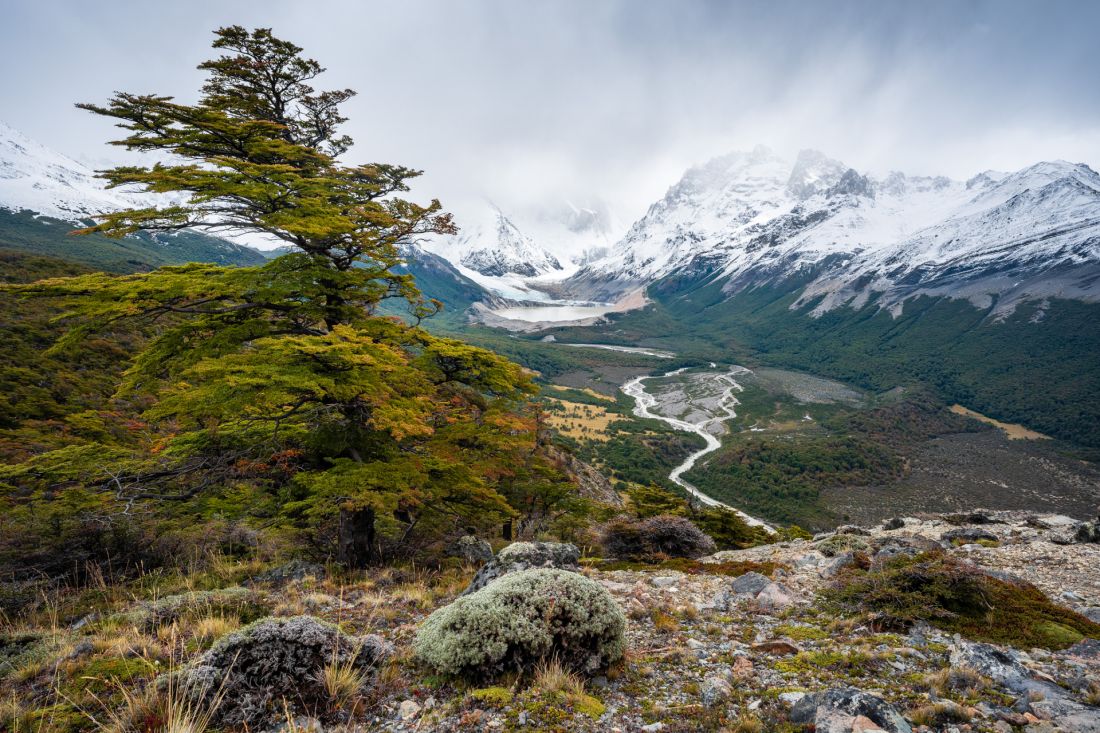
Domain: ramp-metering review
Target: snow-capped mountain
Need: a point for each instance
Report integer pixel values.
(44, 195)
(36, 178)
(755, 217)
(522, 256)
(497, 248)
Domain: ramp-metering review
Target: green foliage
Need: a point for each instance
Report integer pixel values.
(274, 395)
(958, 598)
(651, 500)
(1033, 367)
(781, 477)
(728, 530)
(521, 620)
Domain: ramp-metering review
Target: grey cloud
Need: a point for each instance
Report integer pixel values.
(527, 100)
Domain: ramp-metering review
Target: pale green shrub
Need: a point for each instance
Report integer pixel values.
(524, 619)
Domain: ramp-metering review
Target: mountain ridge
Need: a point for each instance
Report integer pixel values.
(752, 217)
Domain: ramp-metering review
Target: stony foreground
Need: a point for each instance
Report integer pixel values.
(739, 641)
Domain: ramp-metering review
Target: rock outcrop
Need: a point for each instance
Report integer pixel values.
(525, 556)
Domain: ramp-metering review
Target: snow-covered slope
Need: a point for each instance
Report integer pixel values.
(40, 188)
(749, 218)
(36, 178)
(497, 248)
(522, 255)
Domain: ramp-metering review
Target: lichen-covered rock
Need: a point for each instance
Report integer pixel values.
(525, 556)
(471, 549)
(968, 535)
(1088, 532)
(521, 620)
(834, 709)
(714, 690)
(292, 571)
(663, 535)
(255, 668)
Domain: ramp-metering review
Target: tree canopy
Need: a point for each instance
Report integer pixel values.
(277, 392)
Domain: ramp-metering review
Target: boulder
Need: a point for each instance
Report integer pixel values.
(852, 529)
(836, 564)
(526, 556)
(749, 584)
(831, 710)
(714, 689)
(259, 666)
(998, 664)
(289, 572)
(1052, 521)
(774, 597)
(1004, 667)
(968, 535)
(471, 549)
(895, 523)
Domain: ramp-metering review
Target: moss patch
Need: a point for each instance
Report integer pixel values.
(492, 697)
(960, 599)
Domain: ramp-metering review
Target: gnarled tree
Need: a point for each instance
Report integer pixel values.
(283, 377)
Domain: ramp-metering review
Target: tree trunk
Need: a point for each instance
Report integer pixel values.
(356, 537)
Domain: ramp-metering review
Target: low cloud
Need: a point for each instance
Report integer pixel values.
(611, 100)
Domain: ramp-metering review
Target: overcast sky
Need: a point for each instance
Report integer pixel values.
(527, 100)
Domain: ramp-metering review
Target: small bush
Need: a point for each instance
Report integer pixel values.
(841, 544)
(658, 536)
(522, 620)
(957, 681)
(273, 659)
(958, 598)
(729, 531)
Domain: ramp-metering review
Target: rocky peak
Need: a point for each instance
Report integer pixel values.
(851, 183)
(813, 173)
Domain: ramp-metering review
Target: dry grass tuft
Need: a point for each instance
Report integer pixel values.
(551, 677)
(162, 708)
(960, 680)
(343, 682)
(664, 622)
(747, 724)
(209, 629)
(939, 714)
